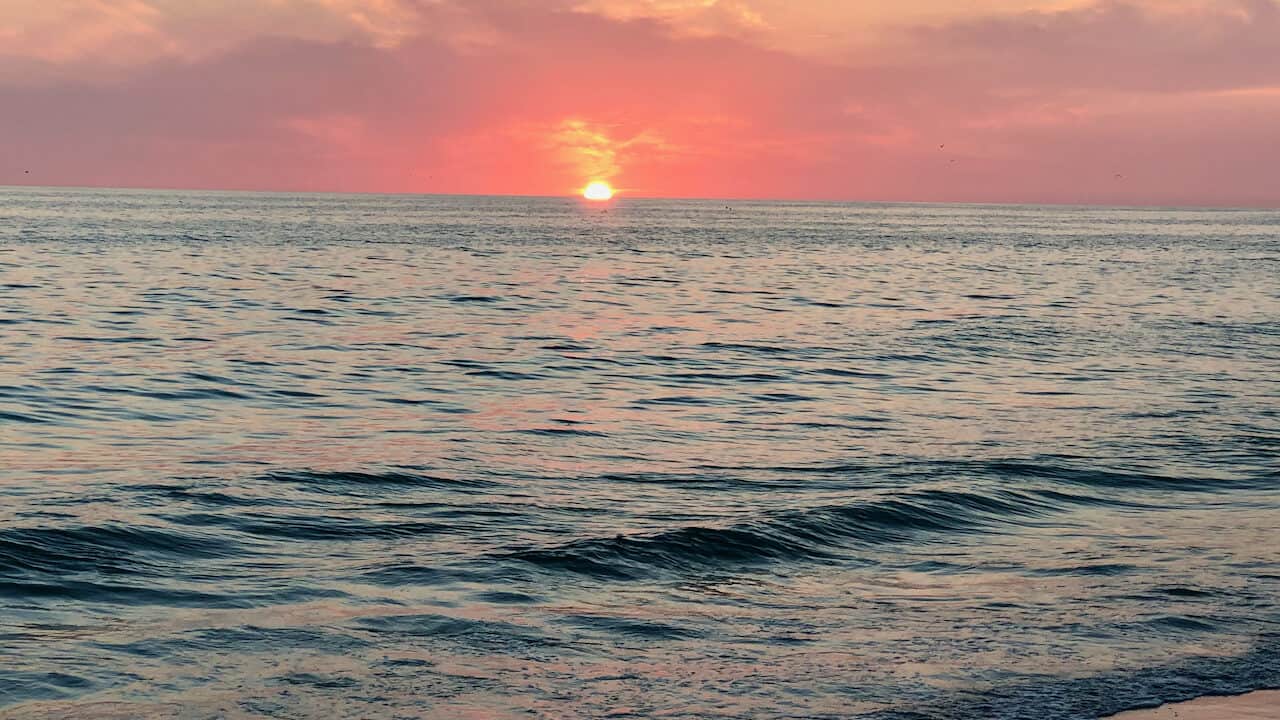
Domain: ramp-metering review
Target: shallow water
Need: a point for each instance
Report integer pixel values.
(356, 456)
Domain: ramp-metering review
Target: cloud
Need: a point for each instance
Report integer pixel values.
(62, 30)
(503, 96)
(1116, 45)
(89, 34)
(693, 17)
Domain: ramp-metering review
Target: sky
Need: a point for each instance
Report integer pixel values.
(1151, 102)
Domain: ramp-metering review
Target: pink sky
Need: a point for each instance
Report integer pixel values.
(1078, 101)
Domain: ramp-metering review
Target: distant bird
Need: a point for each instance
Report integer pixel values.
(28, 172)
(942, 146)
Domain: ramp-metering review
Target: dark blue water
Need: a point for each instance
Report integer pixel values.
(393, 457)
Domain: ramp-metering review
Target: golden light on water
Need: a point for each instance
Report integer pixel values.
(598, 190)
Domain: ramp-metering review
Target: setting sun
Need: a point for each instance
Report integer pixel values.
(598, 191)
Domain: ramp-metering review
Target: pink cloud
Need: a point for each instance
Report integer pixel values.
(1118, 45)
(499, 96)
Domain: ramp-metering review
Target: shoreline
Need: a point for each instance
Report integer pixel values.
(1257, 705)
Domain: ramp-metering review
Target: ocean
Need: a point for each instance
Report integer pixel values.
(310, 456)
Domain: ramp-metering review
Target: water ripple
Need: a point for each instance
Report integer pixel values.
(321, 456)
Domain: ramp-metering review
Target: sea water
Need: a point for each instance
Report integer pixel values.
(305, 456)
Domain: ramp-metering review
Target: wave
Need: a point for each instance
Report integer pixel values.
(1117, 479)
(149, 593)
(343, 482)
(1105, 694)
(104, 549)
(314, 528)
(1058, 470)
(485, 635)
(811, 534)
(115, 564)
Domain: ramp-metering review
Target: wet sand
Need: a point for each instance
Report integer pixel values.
(1264, 705)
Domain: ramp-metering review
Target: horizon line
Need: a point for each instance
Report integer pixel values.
(623, 195)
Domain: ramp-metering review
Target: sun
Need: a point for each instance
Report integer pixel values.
(598, 191)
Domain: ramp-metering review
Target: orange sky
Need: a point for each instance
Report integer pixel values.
(1116, 101)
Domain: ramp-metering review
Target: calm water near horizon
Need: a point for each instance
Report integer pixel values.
(304, 456)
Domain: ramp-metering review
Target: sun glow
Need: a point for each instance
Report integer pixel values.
(598, 191)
